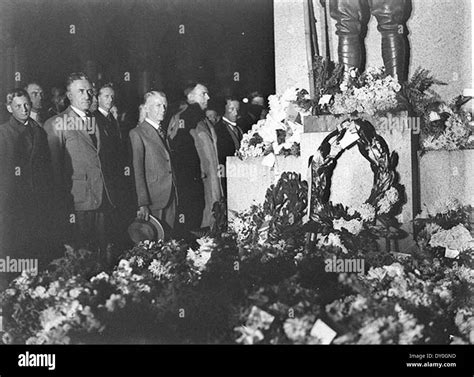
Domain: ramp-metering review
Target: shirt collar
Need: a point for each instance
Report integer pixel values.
(34, 115)
(153, 123)
(81, 113)
(230, 122)
(104, 113)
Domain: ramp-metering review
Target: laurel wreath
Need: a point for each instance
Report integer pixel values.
(374, 149)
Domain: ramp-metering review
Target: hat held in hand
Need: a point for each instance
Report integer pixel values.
(142, 230)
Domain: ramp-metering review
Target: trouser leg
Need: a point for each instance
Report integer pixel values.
(348, 15)
(391, 19)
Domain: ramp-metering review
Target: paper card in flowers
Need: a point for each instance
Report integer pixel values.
(249, 335)
(323, 332)
(259, 319)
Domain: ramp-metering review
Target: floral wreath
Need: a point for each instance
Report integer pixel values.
(374, 149)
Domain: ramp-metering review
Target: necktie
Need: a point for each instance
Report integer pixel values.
(92, 130)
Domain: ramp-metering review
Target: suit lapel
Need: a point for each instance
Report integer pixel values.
(153, 133)
(84, 133)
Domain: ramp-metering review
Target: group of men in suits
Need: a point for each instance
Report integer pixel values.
(180, 169)
(64, 182)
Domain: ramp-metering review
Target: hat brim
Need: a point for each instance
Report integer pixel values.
(160, 232)
(141, 230)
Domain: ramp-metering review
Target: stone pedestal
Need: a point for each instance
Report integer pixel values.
(248, 180)
(446, 175)
(352, 179)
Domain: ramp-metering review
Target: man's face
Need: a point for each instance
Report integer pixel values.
(155, 108)
(199, 95)
(36, 95)
(80, 94)
(106, 98)
(232, 110)
(258, 101)
(212, 116)
(20, 108)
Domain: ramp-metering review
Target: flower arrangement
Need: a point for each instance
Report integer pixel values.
(447, 128)
(242, 287)
(445, 231)
(373, 92)
(281, 131)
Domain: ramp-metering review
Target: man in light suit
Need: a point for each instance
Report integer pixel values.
(154, 179)
(81, 188)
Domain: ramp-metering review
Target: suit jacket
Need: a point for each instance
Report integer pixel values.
(77, 168)
(112, 155)
(25, 180)
(203, 139)
(154, 180)
(226, 145)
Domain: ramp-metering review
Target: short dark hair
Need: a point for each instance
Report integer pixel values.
(255, 94)
(74, 77)
(17, 92)
(31, 83)
(104, 86)
(190, 87)
(230, 98)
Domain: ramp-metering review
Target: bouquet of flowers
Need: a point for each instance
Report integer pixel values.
(447, 128)
(373, 92)
(280, 133)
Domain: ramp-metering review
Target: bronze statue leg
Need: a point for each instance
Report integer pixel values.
(391, 18)
(347, 13)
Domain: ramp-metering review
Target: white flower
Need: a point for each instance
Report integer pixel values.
(39, 292)
(353, 226)
(388, 200)
(366, 211)
(124, 266)
(456, 238)
(394, 270)
(102, 276)
(376, 273)
(296, 329)
(115, 301)
(75, 292)
(200, 257)
(206, 244)
(159, 270)
(331, 240)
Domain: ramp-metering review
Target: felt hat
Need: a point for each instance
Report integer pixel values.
(141, 230)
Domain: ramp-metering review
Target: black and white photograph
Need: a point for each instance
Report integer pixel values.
(296, 175)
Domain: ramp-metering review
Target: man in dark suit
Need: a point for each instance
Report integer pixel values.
(229, 136)
(193, 145)
(35, 92)
(25, 175)
(114, 160)
(154, 179)
(82, 189)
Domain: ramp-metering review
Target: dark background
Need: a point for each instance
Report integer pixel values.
(222, 39)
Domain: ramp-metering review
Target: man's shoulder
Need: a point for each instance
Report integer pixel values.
(98, 115)
(6, 128)
(140, 128)
(52, 120)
